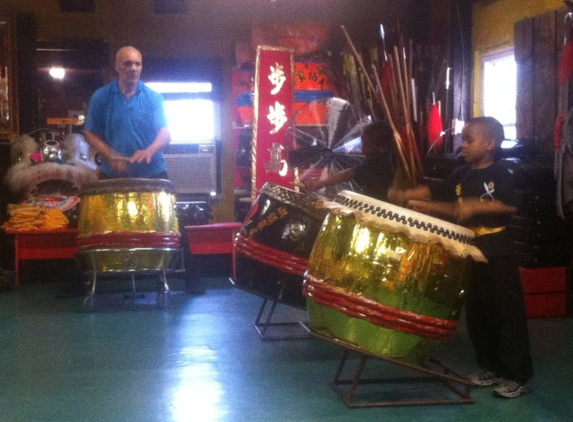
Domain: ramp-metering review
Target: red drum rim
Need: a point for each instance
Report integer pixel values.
(284, 261)
(130, 240)
(457, 240)
(360, 307)
(125, 185)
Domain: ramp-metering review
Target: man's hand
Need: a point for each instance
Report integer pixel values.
(120, 164)
(141, 156)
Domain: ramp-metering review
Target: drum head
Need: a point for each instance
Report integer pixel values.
(127, 185)
(456, 239)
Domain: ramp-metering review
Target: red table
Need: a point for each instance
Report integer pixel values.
(43, 244)
(215, 238)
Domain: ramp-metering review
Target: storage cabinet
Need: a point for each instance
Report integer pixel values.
(8, 88)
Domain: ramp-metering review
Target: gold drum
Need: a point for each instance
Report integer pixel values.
(122, 215)
(387, 280)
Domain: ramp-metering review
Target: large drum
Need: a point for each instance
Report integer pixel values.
(128, 225)
(275, 241)
(385, 279)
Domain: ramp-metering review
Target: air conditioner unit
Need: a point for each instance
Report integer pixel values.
(192, 170)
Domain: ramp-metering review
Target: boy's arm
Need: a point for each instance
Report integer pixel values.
(447, 209)
(402, 196)
(473, 206)
(465, 209)
(315, 184)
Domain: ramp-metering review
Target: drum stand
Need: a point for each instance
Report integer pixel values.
(263, 324)
(442, 375)
(289, 330)
(93, 258)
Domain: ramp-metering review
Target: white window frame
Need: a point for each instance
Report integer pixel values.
(499, 91)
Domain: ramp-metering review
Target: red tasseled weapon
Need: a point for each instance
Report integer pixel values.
(435, 127)
(566, 63)
(386, 77)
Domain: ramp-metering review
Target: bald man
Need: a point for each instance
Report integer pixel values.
(126, 123)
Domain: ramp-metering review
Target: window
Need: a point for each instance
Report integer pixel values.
(192, 91)
(499, 89)
(191, 112)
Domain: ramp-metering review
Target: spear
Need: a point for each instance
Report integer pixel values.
(383, 38)
(410, 176)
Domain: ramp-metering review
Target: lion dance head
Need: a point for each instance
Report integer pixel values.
(49, 171)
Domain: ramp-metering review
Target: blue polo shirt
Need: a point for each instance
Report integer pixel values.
(128, 125)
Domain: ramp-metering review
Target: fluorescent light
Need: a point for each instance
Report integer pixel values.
(57, 72)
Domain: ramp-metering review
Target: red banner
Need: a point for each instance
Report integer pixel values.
(273, 109)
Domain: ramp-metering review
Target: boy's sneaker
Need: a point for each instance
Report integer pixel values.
(511, 389)
(484, 377)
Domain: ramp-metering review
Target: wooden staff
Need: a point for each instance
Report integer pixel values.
(413, 155)
(411, 58)
(408, 169)
(402, 90)
(397, 137)
(358, 59)
(352, 75)
(394, 101)
(407, 91)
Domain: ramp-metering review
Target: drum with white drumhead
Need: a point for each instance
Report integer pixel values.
(385, 279)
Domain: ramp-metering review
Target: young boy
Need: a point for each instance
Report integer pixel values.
(375, 174)
(480, 196)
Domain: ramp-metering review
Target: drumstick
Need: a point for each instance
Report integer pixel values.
(119, 158)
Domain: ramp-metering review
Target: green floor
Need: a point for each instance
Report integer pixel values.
(202, 360)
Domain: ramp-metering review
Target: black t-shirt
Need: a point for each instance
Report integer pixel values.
(375, 175)
(493, 182)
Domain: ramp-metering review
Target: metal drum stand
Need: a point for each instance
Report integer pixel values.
(272, 329)
(132, 262)
(287, 330)
(431, 373)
